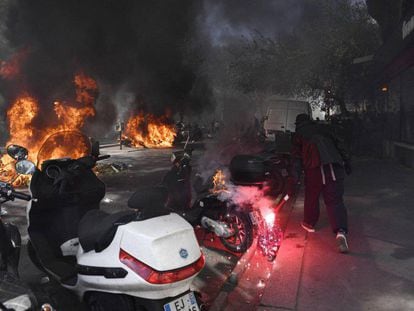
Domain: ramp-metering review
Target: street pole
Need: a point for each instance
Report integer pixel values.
(119, 127)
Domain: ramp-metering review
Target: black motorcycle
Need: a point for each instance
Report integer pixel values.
(222, 217)
(268, 171)
(14, 294)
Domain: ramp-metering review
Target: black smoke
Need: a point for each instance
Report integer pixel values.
(139, 47)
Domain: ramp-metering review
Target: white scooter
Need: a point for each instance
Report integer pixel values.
(141, 259)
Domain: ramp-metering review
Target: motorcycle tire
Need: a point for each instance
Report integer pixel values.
(100, 301)
(243, 237)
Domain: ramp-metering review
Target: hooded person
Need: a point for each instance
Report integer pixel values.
(322, 156)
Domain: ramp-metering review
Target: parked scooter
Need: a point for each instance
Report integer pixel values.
(141, 259)
(226, 220)
(14, 294)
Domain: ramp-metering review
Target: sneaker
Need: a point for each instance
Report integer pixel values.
(342, 242)
(307, 227)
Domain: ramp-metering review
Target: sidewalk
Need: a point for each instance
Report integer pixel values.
(377, 274)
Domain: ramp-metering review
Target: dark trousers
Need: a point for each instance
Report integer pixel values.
(332, 191)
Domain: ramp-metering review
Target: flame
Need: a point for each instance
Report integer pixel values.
(146, 130)
(219, 182)
(24, 131)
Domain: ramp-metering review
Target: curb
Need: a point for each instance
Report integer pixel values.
(237, 276)
(232, 280)
(282, 287)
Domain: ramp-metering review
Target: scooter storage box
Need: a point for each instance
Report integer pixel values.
(247, 169)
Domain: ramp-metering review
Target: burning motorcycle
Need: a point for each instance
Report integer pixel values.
(268, 172)
(225, 219)
(139, 259)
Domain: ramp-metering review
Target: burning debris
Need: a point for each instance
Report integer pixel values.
(148, 131)
(26, 130)
(111, 168)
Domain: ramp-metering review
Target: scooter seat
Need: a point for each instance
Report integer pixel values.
(97, 228)
(150, 202)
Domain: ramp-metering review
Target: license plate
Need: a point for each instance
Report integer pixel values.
(254, 217)
(187, 302)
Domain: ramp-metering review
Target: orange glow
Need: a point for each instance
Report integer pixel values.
(219, 182)
(146, 130)
(24, 131)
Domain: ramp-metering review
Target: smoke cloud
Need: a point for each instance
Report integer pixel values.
(227, 20)
(135, 46)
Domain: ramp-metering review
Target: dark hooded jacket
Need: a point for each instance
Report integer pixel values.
(314, 145)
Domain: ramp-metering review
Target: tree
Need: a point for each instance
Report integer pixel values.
(316, 55)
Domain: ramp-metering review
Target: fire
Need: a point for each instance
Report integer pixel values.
(148, 131)
(25, 131)
(219, 182)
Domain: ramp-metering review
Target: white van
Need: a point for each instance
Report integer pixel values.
(281, 115)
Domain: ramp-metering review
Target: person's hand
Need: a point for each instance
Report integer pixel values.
(348, 167)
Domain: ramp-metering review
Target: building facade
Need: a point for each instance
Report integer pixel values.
(393, 88)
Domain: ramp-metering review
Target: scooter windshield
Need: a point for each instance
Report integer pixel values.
(64, 144)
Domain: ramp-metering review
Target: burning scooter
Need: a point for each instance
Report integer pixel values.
(225, 219)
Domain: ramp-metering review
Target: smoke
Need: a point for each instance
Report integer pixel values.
(140, 47)
(229, 20)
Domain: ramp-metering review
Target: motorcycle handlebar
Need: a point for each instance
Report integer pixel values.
(21, 195)
(7, 191)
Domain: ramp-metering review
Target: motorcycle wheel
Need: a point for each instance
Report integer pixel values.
(243, 237)
(99, 301)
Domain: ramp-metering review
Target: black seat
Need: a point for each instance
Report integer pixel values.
(150, 202)
(97, 228)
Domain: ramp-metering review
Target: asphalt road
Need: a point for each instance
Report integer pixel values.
(127, 171)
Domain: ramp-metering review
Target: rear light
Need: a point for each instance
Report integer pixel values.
(160, 277)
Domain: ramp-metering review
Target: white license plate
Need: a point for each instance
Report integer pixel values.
(254, 217)
(187, 302)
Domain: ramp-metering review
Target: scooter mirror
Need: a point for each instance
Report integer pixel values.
(17, 152)
(25, 167)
